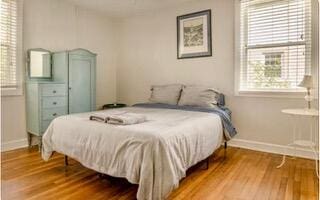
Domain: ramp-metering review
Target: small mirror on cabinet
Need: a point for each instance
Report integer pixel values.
(39, 63)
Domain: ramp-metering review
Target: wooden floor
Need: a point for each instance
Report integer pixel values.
(244, 174)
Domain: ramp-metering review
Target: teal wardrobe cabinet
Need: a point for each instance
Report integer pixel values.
(71, 89)
(77, 69)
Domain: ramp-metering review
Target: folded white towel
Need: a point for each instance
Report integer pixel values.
(122, 118)
(100, 117)
(126, 119)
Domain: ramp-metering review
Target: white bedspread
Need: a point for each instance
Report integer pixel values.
(154, 154)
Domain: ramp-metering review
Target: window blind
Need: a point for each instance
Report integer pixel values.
(275, 44)
(9, 23)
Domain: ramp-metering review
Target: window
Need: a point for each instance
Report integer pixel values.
(10, 54)
(275, 44)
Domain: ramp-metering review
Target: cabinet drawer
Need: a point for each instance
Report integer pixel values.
(51, 113)
(44, 125)
(53, 102)
(53, 90)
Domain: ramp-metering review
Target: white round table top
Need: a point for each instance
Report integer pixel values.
(302, 111)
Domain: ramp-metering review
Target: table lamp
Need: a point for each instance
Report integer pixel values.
(307, 83)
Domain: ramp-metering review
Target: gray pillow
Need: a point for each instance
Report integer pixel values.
(167, 94)
(194, 95)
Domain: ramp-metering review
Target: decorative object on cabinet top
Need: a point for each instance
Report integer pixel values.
(39, 64)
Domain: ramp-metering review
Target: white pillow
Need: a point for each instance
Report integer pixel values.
(167, 94)
(202, 96)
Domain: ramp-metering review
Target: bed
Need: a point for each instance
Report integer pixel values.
(155, 154)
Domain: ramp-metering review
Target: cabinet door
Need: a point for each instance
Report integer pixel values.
(81, 82)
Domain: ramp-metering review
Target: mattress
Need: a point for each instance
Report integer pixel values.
(154, 154)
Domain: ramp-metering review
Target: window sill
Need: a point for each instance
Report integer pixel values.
(11, 92)
(272, 94)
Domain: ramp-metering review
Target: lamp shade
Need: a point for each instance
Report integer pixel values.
(306, 82)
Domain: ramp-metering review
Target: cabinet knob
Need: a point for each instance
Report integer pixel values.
(54, 103)
(54, 114)
(54, 91)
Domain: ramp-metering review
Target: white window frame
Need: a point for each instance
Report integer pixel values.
(237, 63)
(19, 55)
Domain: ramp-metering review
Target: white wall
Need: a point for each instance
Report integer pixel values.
(137, 52)
(57, 26)
(148, 56)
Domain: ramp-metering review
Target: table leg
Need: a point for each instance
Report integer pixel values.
(282, 162)
(314, 148)
(315, 159)
(296, 131)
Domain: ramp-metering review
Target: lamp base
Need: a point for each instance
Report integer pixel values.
(308, 98)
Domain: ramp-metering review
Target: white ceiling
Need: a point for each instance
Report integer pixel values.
(126, 8)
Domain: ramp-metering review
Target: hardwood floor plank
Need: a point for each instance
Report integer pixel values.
(242, 175)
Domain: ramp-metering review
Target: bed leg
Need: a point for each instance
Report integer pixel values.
(66, 161)
(207, 162)
(225, 149)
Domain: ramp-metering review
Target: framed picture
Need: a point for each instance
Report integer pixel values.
(194, 35)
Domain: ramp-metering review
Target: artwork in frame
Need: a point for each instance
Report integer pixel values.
(194, 35)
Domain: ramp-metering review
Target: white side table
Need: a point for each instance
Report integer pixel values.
(297, 141)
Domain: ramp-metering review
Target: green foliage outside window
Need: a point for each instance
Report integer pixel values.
(272, 70)
(273, 65)
(267, 76)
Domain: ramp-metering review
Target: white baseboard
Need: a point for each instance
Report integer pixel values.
(15, 144)
(272, 148)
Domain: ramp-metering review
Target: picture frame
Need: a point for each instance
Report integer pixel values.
(194, 35)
